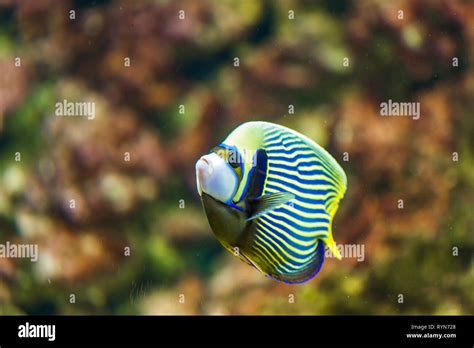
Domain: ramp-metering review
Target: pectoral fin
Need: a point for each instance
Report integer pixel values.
(266, 203)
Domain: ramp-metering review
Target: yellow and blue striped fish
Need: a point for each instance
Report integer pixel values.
(270, 194)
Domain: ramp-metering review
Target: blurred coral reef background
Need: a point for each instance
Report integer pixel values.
(150, 203)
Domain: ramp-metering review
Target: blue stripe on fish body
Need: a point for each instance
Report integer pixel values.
(318, 202)
(286, 257)
(298, 249)
(317, 179)
(295, 213)
(296, 231)
(283, 147)
(278, 258)
(312, 161)
(295, 188)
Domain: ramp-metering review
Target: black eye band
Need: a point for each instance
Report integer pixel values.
(234, 159)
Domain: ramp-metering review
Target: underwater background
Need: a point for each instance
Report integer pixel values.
(168, 86)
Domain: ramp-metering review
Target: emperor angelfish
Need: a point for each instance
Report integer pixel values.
(270, 195)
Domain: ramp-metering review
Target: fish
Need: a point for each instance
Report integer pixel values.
(270, 195)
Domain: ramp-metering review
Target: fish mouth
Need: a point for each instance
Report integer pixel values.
(204, 169)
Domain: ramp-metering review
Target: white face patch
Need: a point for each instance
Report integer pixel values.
(215, 177)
